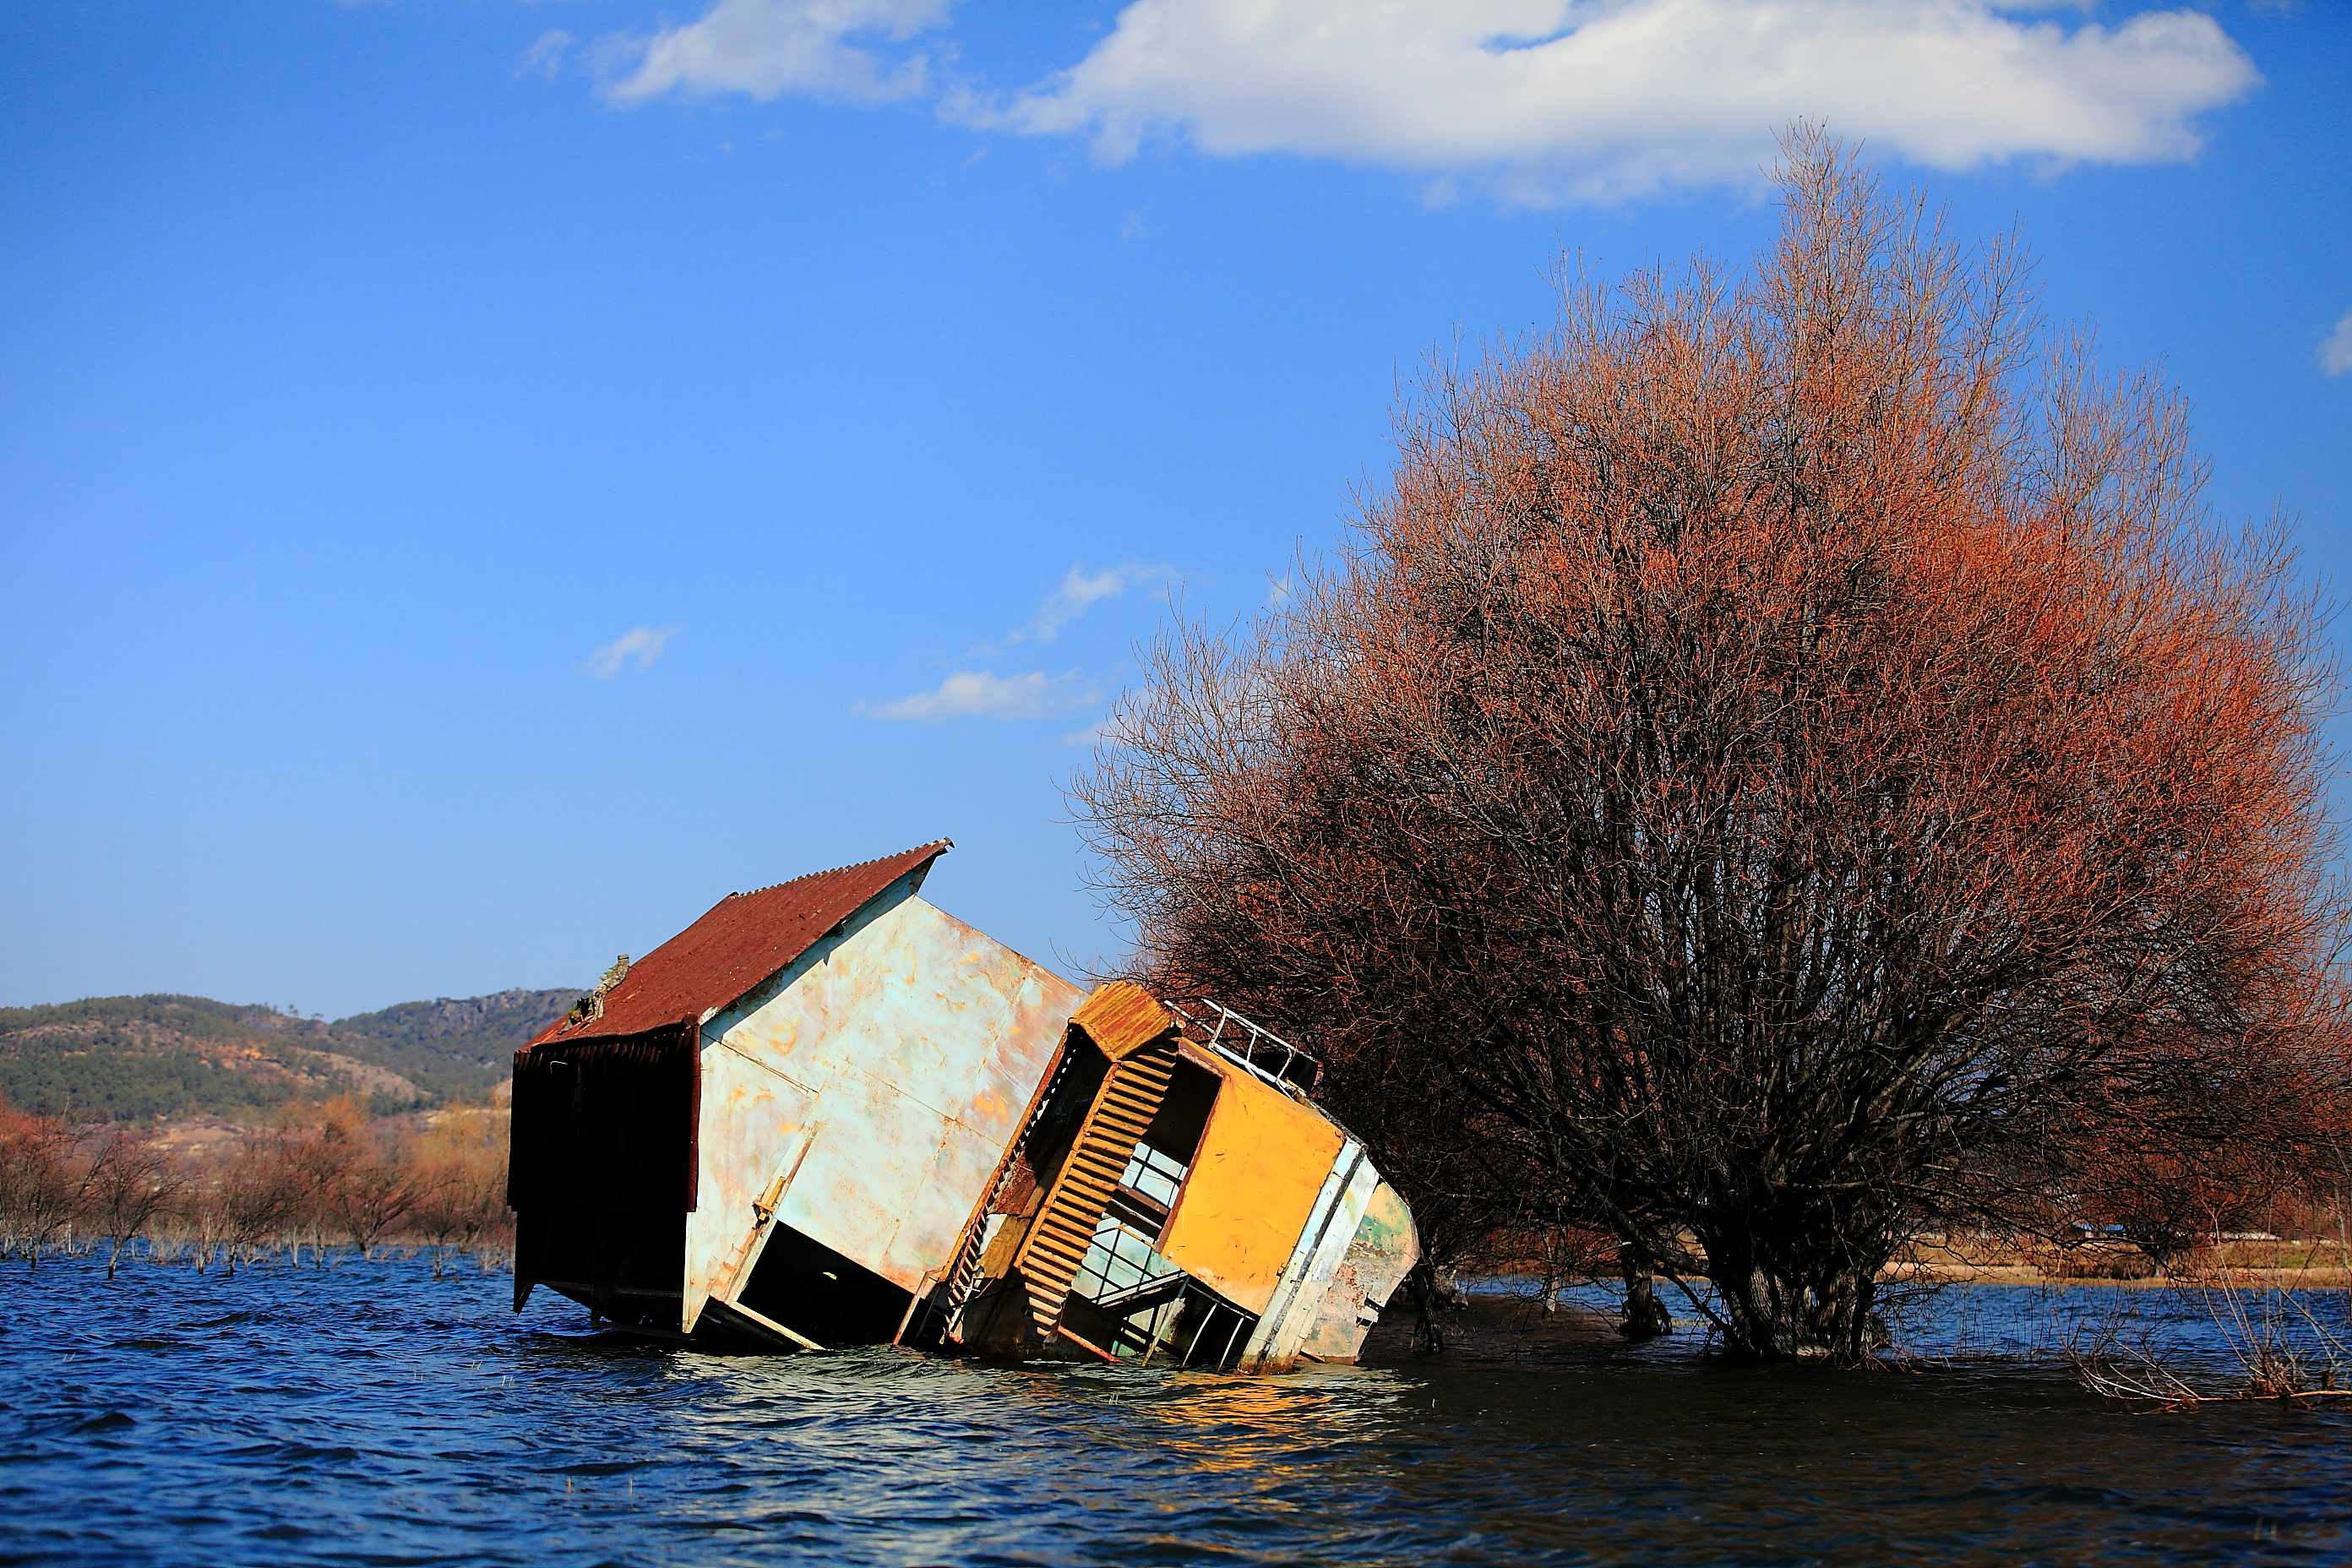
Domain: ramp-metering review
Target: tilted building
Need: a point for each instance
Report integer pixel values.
(1174, 1195)
(827, 1112)
(792, 1104)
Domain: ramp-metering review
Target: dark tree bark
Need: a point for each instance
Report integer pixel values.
(1646, 1317)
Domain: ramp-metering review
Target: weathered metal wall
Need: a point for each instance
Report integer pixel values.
(1383, 1252)
(605, 1125)
(1306, 1279)
(866, 1095)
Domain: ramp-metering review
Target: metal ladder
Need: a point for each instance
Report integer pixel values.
(1056, 1244)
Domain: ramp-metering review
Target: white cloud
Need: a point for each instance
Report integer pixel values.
(644, 644)
(767, 48)
(1540, 101)
(984, 694)
(1079, 592)
(1599, 99)
(545, 55)
(1080, 589)
(2335, 353)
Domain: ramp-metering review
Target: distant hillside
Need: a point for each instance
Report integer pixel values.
(450, 1046)
(141, 1057)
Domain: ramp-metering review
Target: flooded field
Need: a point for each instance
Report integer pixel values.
(370, 1414)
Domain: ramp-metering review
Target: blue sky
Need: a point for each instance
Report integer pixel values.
(482, 480)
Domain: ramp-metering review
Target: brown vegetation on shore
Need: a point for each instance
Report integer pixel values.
(316, 1178)
(2285, 1263)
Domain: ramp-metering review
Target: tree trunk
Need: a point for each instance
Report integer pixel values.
(1426, 1334)
(1646, 1317)
(1771, 1317)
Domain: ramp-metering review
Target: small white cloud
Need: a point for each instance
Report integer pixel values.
(768, 48)
(983, 694)
(1079, 592)
(2335, 353)
(1278, 590)
(1081, 589)
(645, 644)
(545, 56)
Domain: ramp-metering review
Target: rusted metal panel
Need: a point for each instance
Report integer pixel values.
(1253, 1185)
(1121, 1019)
(755, 1137)
(880, 1076)
(740, 942)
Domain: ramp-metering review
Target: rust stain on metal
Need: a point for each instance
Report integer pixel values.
(884, 1069)
(1121, 1019)
(740, 942)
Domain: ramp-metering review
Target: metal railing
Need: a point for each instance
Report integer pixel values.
(1211, 1022)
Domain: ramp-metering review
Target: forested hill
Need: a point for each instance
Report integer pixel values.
(141, 1057)
(452, 1045)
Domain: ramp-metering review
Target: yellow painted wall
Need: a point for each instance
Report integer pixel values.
(1254, 1181)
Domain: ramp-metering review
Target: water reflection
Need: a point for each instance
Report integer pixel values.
(369, 1413)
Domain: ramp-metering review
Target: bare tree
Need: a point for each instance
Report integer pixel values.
(129, 1183)
(1786, 772)
(261, 1193)
(373, 1188)
(40, 1181)
(463, 1160)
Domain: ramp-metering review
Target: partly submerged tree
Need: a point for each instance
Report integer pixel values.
(130, 1183)
(41, 1173)
(1786, 761)
(462, 1172)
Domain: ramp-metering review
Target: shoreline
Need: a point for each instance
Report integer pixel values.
(2338, 1278)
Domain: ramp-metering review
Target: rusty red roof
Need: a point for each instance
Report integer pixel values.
(744, 939)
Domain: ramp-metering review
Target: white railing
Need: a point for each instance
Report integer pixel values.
(1238, 1040)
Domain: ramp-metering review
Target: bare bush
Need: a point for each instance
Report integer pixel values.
(129, 1183)
(2278, 1344)
(40, 1183)
(464, 1171)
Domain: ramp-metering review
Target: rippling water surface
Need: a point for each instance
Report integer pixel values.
(369, 1413)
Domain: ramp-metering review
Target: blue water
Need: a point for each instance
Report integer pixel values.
(369, 1413)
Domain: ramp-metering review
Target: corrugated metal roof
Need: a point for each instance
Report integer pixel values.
(744, 939)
